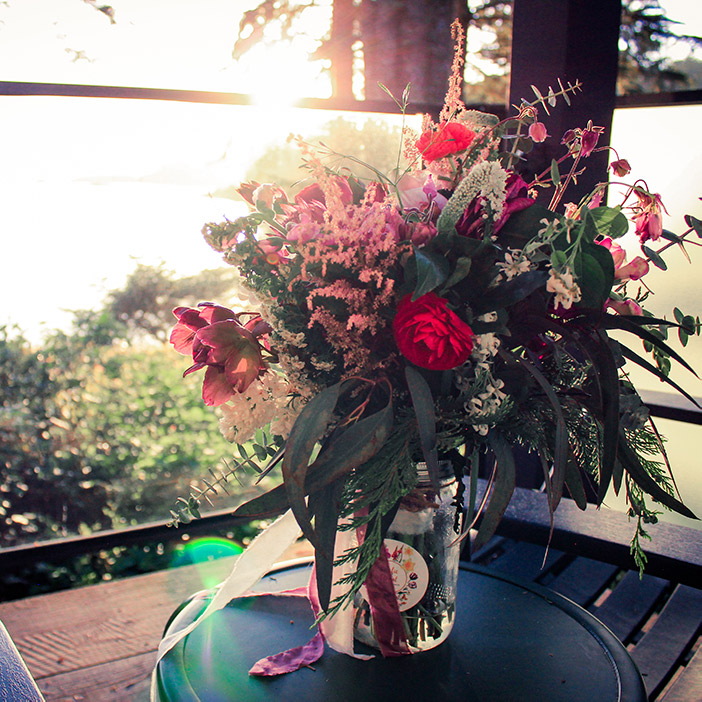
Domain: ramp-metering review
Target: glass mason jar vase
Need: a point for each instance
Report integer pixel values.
(423, 555)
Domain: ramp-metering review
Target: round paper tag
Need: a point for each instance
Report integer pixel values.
(410, 574)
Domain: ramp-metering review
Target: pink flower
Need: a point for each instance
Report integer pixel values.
(634, 270)
(649, 218)
(418, 191)
(537, 131)
(306, 229)
(625, 307)
(588, 141)
(229, 351)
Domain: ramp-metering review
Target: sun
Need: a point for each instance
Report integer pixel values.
(281, 75)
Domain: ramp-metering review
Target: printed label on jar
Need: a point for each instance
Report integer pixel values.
(410, 574)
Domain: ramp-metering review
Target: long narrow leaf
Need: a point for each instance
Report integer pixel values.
(423, 404)
(325, 506)
(609, 382)
(560, 449)
(643, 333)
(351, 448)
(633, 356)
(505, 482)
(309, 428)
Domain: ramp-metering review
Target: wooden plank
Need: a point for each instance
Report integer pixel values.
(688, 685)
(674, 552)
(661, 648)
(630, 604)
(523, 560)
(583, 580)
(75, 629)
(126, 680)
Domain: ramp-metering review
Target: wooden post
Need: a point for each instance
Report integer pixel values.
(571, 40)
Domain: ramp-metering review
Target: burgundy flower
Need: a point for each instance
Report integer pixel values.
(588, 141)
(471, 223)
(449, 138)
(430, 335)
(229, 351)
(620, 167)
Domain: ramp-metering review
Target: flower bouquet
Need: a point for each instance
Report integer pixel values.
(408, 330)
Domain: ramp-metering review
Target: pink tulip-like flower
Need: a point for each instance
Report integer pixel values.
(620, 167)
(229, 351)
(588, 141)
(537, 132)
(633, 270)
(648, 216)
(625, 307)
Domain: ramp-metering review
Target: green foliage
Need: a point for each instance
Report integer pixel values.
(144, 305)
(374, 141)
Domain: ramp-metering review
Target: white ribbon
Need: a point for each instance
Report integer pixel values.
(250, 567)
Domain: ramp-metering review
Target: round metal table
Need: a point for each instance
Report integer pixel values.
(511, 641)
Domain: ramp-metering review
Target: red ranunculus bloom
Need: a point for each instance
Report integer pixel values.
(430, 335)
(449, 138)
(229, 350)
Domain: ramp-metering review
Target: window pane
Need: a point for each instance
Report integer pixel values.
(94, 432)
(658, 51)
(656, 142)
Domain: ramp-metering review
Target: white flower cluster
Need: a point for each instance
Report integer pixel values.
(485, 403)
(485, 346)
(265, 401)
(515, 264)
(564, 287)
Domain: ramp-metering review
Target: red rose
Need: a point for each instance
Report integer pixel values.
(449, 138)
(430, 335)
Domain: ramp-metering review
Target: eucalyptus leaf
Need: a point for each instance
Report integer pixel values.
(655, 258)
(695, 224)
(555, 173)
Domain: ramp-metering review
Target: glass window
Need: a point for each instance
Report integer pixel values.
(97, 428)
(660, 47)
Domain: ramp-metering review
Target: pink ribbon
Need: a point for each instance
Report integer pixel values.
(297, 657)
